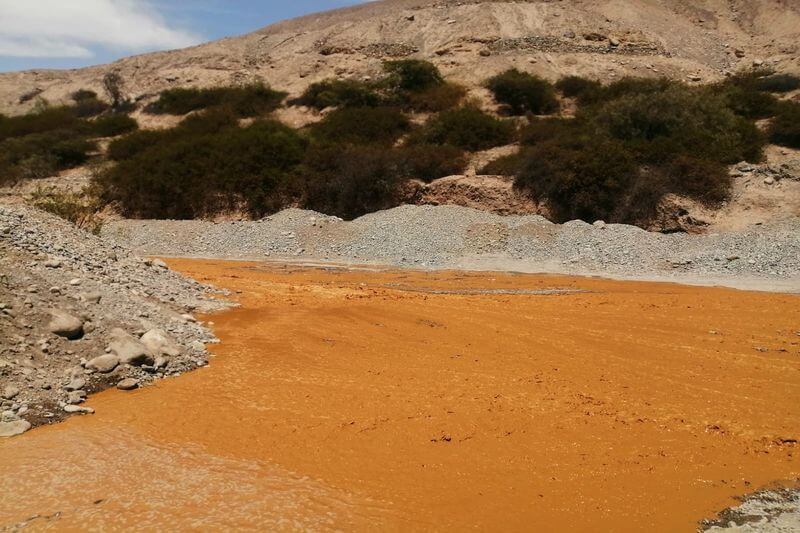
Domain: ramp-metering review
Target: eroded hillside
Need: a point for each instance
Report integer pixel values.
(468, 40)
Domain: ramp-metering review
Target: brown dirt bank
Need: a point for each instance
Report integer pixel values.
(355, 399)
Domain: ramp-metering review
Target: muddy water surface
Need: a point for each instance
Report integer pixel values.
(411, 401)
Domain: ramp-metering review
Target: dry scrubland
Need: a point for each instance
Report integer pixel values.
(622, 149)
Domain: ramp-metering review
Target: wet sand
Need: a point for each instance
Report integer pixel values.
(432, 401)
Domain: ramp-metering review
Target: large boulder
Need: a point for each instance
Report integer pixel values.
(159, 343)
(129, 350)
(65, 325)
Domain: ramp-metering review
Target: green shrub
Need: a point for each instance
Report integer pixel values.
(576, 86)
(413, 75)
(778, 83)
(583, 179)
(619, 157)
(785, 128)
(210, 121)
(90, 107)
(40, 155)
(113, 125)
(361, 125)
(248, 101)
(677, 120)
(351, 181)
(71, 153)
(749, 102)
(429, 162)
(338, 93)
(622, 87)
(468, 128)
(193, 173)
(523, 93)
(47, 119)
(87, 104)
(130, 145)
(708, 182)
(545, 128)
(113, 84)
(435, 99)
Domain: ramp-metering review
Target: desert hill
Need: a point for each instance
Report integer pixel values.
(468, 40)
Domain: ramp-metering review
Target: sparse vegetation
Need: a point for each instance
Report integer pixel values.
(79, 208)
(247, 101)
(523, 93)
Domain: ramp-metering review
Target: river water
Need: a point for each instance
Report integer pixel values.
(397, 401)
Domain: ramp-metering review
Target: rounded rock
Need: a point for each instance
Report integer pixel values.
(128, 384)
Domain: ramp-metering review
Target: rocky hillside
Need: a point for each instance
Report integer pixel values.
(469, 40)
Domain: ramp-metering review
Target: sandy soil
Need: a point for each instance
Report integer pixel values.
(437, 400)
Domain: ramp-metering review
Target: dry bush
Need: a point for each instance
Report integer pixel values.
(247, 101)
(523, 93)
(466, 127)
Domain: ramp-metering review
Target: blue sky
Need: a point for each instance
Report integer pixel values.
(76, 33)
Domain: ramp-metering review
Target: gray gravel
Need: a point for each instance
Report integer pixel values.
(435, 237)
(63, 294)
(764, 512)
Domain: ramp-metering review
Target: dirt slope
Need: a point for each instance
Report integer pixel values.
(468, 40)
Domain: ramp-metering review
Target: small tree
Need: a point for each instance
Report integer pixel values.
(113, 83)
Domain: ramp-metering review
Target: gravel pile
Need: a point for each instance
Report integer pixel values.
(79, 314)
(764, 512)
(457, 237)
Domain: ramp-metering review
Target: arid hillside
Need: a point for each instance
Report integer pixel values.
(468, 40)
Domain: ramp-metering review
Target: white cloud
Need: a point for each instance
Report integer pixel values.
(72, 28)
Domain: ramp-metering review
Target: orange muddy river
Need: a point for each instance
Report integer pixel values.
(435, 401)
